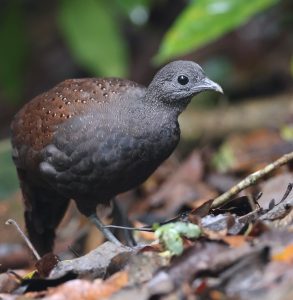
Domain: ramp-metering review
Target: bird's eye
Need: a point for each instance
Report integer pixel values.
(182, 79)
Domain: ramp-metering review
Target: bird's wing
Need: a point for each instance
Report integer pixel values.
(34, 125)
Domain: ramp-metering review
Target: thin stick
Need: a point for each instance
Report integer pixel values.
(27, 241)
(130, 228)
(73, 251)
(251, 180)
(18, 277)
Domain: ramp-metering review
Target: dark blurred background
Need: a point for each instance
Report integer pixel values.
(246, 46)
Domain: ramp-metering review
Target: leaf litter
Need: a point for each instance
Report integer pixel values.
(240, 250)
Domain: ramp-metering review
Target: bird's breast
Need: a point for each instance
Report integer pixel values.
(88, 156)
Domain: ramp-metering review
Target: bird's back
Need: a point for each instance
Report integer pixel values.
(34, 126)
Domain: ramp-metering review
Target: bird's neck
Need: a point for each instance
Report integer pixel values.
(164, 103)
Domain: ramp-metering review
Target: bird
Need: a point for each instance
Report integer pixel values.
(91, 139)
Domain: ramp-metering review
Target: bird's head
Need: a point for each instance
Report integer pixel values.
(177, 82)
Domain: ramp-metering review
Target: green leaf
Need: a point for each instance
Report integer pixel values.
(170, 235)
(92, 33)
(204, 21)
(13, 50)
(8, 178)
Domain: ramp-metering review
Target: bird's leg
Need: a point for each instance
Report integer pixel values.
(106, 232)
(120, 218)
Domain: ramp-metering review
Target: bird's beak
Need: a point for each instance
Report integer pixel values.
(207, 84)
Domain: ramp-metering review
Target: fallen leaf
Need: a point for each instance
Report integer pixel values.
(46, 264)
(236, 240)
(274, 188)
(82, 289)
(286, 255)
(8, 283)
(40, 284)
(108, 258)
(202, 210)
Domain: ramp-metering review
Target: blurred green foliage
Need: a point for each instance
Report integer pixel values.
(92, 33)
(224, 158)
(287, 132)
(205, 20)
(129, 5)
(92, 30)
(13, 50)
(8, 177)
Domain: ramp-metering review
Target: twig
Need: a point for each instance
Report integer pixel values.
(18, 277)
(27, 241)
(129, 228)
(70, 248)
(251, 180)
(250, 216)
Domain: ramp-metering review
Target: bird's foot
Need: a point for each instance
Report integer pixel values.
(106, 231)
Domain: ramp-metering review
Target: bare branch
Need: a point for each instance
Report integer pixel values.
(251, 180)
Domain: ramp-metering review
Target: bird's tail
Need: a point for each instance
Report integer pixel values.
(44, 209)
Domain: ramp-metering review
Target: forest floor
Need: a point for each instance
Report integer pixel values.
(242, 249)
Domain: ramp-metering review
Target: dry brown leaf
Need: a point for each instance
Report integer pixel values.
(274, 188)
(286, 255)
(236, 241)
(82, 289)
(232, 240)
